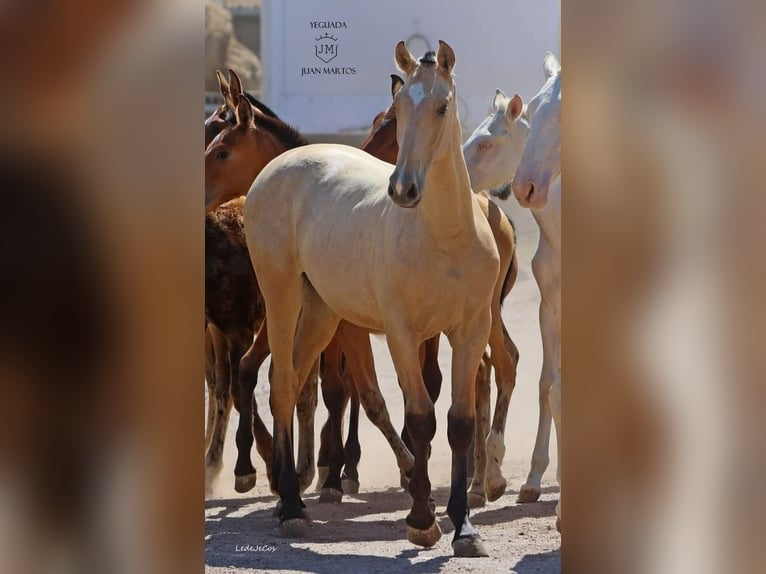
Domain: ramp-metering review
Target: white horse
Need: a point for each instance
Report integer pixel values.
(537, 185)
(334, 234)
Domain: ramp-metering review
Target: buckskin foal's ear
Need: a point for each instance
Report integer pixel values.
(404, 60)
(245, 113)
(396, 84)
(445, 56)
(515, 107)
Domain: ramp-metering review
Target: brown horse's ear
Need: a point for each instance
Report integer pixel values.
(396, 84)
(245, 113)
(225, 88)
(445, 56)
(515, 107)
(404, 60)
(236, 87)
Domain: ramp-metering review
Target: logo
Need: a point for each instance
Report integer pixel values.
(326, 48)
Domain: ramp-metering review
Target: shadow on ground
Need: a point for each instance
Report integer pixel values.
(243, 533)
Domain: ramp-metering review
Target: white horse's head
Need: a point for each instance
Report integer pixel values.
(426, 115)
(494, 149)
(541, 160)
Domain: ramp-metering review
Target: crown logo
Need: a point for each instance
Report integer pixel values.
(327, 36)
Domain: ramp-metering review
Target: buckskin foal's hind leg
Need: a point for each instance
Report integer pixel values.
(244, 472)
(306, 409)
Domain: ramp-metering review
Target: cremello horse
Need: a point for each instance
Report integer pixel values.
(334, 234)
(537, 185)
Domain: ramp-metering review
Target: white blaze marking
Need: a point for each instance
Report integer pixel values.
(417, 94)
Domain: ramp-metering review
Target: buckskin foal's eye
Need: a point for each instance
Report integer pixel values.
(223, 154)
(442, 110)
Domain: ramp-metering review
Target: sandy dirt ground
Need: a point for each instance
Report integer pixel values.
(366, 532)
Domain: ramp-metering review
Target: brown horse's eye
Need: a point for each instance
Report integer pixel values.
(223, 154)
(442, 110)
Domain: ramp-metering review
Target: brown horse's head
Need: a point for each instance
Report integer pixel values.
(236, 156)
(426, 111)
(381, 142)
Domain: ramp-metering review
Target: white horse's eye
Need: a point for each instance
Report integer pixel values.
(483, 146)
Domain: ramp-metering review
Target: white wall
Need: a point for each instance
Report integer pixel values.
(498, 44)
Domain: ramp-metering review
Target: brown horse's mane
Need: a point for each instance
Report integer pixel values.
(286, 134)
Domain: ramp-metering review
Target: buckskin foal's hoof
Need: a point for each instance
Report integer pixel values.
(350, 486)
(469, 547)
(425, 538)
(330, 495)
(528, 494)
(294, 528)
(244, 483)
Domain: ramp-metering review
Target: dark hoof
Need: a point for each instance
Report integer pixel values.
(244, 483)
(476, 500)
(322, 472)
(277, 509)
(350, 486)
(495, 491)
(330, 495)
(469, 547)
(528, 494)
(295, 528)
(425, 538)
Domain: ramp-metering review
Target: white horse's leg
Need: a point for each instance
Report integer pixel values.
(555, 399)
(531, 489)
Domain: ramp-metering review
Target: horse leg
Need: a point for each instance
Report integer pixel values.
(306, 408)
(316, 324)
(504, 358)
(244, 472)
(432, 377)
(210, 380)
(468, 342)
(334, 399)
(323, 467)
(214, 455)
(360, 365)
(422, 528)
(555, 399)
(352, 451)
(476, 495)
(531, 489)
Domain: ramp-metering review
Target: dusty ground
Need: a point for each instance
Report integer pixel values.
(366, 532)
